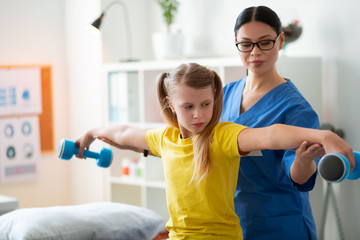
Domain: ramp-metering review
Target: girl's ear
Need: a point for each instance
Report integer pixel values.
(168, 100)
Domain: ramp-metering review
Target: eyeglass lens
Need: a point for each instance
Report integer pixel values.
(263, 45)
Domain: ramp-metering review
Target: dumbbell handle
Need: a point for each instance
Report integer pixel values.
(88, 154)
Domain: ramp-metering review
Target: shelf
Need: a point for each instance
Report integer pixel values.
(155, 184)
(171, 64)
(131, 87)
(148, 125)
(127, 181)
(138, 182)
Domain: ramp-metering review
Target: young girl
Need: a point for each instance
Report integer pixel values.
(201, 156)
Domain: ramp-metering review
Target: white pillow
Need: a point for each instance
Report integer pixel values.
(103, 220)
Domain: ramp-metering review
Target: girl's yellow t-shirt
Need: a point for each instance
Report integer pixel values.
(204, 211)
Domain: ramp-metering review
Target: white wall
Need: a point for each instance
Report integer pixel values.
(53, 33)
(32, 33)
(84, 58)
(114, 33)
(338, 33)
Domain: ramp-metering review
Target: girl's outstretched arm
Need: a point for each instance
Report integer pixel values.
(280, 136)
(122, 136)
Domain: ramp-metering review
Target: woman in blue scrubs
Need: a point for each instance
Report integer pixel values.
(272, 198)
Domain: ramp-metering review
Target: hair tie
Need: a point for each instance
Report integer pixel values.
(167, 74)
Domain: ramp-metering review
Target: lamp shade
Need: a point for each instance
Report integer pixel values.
(97, 23)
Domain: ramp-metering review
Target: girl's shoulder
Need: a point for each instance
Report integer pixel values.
(224, 138)
(160, 133)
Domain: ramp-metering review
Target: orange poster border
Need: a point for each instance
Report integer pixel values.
(46, 121)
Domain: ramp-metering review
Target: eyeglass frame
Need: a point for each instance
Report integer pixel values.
(257, 44)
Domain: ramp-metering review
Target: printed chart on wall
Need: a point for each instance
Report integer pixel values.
(20, 149)
(20, 107)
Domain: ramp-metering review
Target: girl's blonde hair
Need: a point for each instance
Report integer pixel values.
(195, 76)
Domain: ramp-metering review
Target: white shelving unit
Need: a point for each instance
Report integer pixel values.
(130, 98)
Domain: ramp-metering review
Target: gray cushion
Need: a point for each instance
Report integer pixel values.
(103, 220)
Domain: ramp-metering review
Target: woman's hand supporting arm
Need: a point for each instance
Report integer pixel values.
(304, 165)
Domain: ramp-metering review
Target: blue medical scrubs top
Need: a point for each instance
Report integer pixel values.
(268, 203)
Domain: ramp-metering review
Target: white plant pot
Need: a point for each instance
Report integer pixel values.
(168, 45)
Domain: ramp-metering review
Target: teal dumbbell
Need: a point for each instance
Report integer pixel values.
(334, 167)
(67, 150)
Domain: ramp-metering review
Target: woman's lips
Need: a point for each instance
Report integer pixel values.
(256, 62)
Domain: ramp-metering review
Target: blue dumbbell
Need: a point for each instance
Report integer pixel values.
(335, 167)
(67, 150)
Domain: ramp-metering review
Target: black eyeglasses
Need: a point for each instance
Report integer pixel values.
(264, 45)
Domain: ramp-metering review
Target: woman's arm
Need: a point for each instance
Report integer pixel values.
(280, 136)
(124, 137)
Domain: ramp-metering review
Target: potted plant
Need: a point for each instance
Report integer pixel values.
(169, 9)
(168, 44)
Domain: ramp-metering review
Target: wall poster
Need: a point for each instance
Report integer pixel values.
(19, 149)
(20, 91)
(21, 116)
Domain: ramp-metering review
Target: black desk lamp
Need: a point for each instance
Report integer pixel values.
(97, 24)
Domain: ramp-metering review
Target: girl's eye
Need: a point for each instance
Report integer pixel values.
(188, 107)
(206, 104)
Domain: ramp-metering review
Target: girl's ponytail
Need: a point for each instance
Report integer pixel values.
(163, 88)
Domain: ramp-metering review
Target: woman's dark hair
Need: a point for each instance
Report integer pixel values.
(260, 14)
